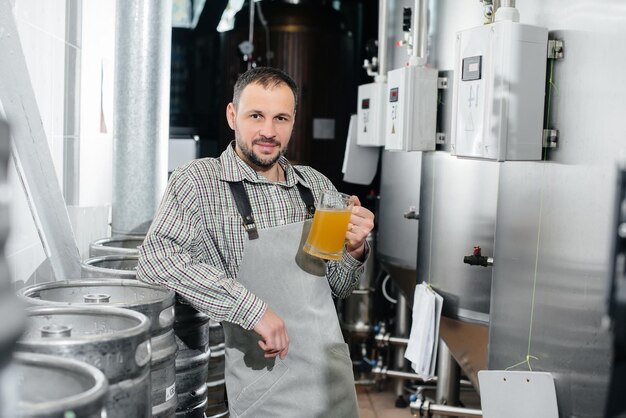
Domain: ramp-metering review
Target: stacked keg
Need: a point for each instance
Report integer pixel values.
(216, 388)
(192, 337)
(114, 340)
(56, 387)
(117, 257)
(154, 302)
(125, 245)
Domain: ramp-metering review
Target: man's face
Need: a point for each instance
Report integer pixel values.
(262, 122)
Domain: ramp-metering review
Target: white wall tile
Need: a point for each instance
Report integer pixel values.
(46, 15)
(90, 224)
(25, 264)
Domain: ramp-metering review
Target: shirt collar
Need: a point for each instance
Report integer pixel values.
(235, 169)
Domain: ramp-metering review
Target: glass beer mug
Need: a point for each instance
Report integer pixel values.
(330, 223)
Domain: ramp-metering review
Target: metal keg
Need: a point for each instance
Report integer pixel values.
(111, 266)
(115, 340)
(11, 309)
(192, 336)
(122, 245)
(56, 387)
(190, 326)
(191, 376)
(216, 387)
(155, 302)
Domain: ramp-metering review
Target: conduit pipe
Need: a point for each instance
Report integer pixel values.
(420, 33)
(423, 408)
(143, 33)
(382, 41)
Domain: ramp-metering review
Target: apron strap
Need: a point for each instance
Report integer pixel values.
(305, 193)
(243, 206)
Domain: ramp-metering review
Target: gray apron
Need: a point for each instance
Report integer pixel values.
(315, 379)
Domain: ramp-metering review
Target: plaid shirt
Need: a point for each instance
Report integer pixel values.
(196, 241)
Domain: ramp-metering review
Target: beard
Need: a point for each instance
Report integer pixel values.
(260, 160)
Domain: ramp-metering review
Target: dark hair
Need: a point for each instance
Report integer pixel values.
(266, 77)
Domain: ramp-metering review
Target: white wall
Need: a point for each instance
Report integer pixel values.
(42, 29)
(91, 217)
(41, 25)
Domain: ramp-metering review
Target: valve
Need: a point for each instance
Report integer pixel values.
(477, 259)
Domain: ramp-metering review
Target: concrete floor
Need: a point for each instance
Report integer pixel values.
(379, 402)
(375, 403)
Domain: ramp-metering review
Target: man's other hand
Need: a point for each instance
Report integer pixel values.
(274, 339)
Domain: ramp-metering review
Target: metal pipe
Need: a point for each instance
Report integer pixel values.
(382, 41)
(383, 371)
(388, 339)
(419, 34)
(402, 328)
(143, 34)
(251, 31)
(448, 372)
(423, 30)
(423, 408)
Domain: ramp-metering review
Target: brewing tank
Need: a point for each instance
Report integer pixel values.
(398, 224)
(458, 213)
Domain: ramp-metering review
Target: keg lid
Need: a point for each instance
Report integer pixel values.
(121, 293)
(82, 323)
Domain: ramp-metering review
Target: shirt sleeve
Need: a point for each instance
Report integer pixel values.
(344, 275)
(177, 255)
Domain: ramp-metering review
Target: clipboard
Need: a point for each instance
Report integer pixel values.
(517, 394)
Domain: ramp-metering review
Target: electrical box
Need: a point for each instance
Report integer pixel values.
(499, 88)
(411, 119)
(371, 115)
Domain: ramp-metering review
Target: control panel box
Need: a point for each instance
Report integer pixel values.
(371, 115)
(411, 121)
(498, 100)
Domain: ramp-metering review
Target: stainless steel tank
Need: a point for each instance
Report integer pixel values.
(120, 245)
(114, 340)
(458, 212)
(55, 387)
(396, 243)
(357, 309)
(154, 302)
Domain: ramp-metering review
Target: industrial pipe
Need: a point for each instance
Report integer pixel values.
(423, 408)
(388, 339)
(383, 371)
(382, 41)
(420, 33)
(143, 35)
